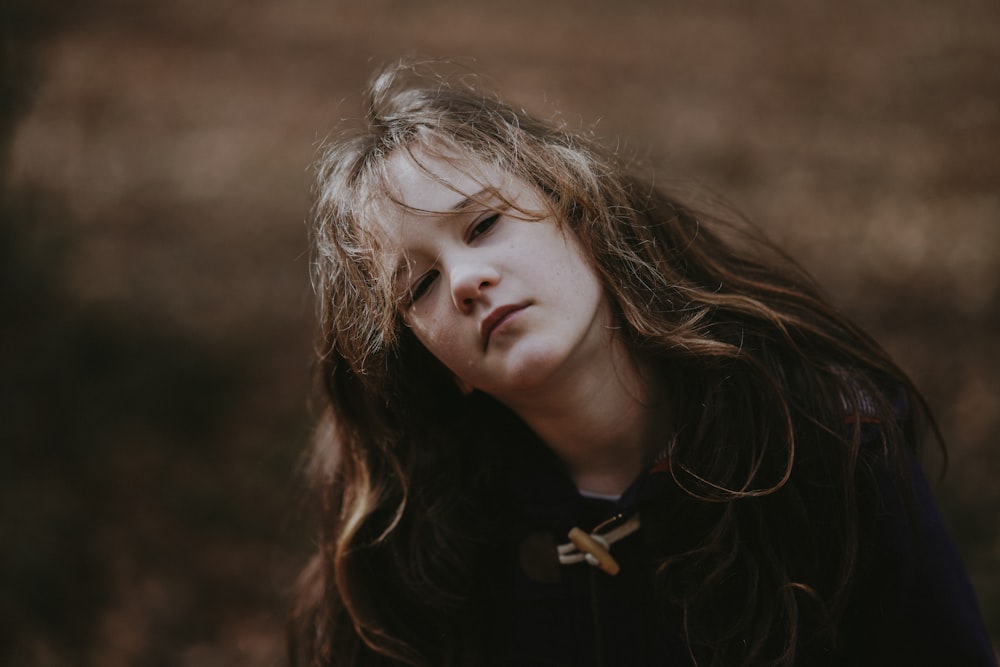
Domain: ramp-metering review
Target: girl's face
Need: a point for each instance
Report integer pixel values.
(508, 305)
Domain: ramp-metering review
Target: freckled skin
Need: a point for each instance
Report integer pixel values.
(463, 267)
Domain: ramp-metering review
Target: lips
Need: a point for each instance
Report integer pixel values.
(495, 318)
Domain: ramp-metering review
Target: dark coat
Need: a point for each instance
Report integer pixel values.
(913, 604)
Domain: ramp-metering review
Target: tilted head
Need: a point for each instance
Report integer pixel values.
(440, 127)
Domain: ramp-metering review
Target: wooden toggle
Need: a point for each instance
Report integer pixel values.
(589, 546)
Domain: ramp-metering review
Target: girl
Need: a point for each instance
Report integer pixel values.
(572, 420)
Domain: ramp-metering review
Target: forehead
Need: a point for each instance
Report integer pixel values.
(420, 180)
(421, 187)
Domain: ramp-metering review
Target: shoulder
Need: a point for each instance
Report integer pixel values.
(913, 596)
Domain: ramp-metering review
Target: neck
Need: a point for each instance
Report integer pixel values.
(604, 422)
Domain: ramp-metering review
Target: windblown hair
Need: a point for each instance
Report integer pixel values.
(774, 476)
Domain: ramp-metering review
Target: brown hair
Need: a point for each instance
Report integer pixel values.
(761, 455)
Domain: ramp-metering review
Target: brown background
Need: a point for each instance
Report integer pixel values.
(157, 318)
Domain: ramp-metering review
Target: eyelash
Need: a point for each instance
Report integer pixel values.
(483, 225)
(422, 285)
(479, 227)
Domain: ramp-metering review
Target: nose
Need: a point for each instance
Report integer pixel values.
(469, 282)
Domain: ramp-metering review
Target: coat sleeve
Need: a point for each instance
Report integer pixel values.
(928, 605)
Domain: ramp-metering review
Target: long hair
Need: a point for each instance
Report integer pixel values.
(772, 472)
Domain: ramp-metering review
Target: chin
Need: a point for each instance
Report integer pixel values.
(531, 370)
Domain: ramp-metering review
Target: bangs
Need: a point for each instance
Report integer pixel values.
(486, 167)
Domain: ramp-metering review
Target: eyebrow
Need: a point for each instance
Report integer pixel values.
(466, 202)
(462, 204)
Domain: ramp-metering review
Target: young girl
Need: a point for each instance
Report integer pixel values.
(572, 420)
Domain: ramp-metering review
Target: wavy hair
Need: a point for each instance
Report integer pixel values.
(773, 476)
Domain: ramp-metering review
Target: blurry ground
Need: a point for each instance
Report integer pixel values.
(156, 315)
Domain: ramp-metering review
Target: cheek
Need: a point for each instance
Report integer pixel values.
(438, 337)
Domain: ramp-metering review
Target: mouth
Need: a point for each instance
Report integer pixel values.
(495, 319)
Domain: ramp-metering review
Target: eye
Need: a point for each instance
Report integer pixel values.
(421, 286)
(483, 225)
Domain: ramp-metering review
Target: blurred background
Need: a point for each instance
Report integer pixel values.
(156, 314)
